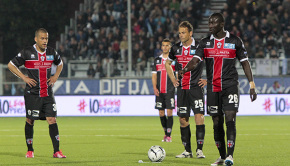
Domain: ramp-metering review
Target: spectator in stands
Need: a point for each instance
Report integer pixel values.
(92, 48)
(285, 22)
(91, 71)
(277, 88)
(71, 34)
(7, 90)
(260, 54)
(286, 45)
(124, 48)
(82, 50)
(274, 54)
(157, 51)
(174, 6)
(256, 43)
(122, 22)
(271, 43)
(265, 28)
(63, 52)
(235, 31)
(141, 63)
(81, 36)
(80, 22)
(108, 66)
(73, 45)
(147, 4)
(249, 33)
(99, 69)
(118, 8)
(272, 18)
(102, 52)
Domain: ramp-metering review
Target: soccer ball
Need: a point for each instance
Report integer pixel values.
(156, 153)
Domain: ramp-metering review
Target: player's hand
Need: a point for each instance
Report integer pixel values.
(180, 73)
(253, 94)
(202, 82)
(175, 83)
(156, 92)
(52, 80)
(31, 82)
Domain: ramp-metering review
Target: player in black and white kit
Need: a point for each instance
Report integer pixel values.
(220, 51)
(38, 96)
(189, 93)
(164, 90)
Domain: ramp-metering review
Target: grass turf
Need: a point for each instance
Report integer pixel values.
(261, 140)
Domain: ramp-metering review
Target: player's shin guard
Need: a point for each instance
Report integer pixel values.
(219, 137)
(164, 123)
(200, 132)
(231, 137)
(185, 137)
(29, 136)
(169, 125)
(53, 132)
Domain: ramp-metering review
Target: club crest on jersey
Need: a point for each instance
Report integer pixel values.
(192, 52)
(219, 45)
(42, 58)
(32, 56)
(185, 52)
(229, 45)
(49, 57)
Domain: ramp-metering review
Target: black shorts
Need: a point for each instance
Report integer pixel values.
(226, 100)
(38, 108)
(188, 99)
(165, 101)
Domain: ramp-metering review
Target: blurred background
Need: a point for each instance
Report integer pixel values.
(107, 46)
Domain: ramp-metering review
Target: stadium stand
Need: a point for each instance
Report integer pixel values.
(100, 30)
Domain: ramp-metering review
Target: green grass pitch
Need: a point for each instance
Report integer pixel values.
(122, 141)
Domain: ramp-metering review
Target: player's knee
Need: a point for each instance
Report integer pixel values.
(199, 119)
(51, 120)
(169, 112)
(30, 121)
(230, 116)
(161, 113)
(184, 121)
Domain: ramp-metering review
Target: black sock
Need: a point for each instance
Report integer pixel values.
(185, 137)
(200, 132)
(29, 136)
(169, 125)
(231, 137)
(53, 132)
(219, 137)
(163, 123)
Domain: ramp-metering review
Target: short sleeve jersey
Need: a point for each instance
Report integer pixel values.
(183, 55)
(38, 66)
(220, 57)
(164, 84)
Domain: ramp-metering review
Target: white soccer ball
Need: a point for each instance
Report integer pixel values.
(156, 153)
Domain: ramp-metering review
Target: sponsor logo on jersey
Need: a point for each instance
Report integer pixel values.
(159, 105)
(219, 45)
(213, 109)
(49, 57)
(35, 113)
(182, 110)
(192, 52)
(32, 56)
(229, 45)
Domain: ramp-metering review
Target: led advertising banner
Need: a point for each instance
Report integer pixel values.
(140, 105)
